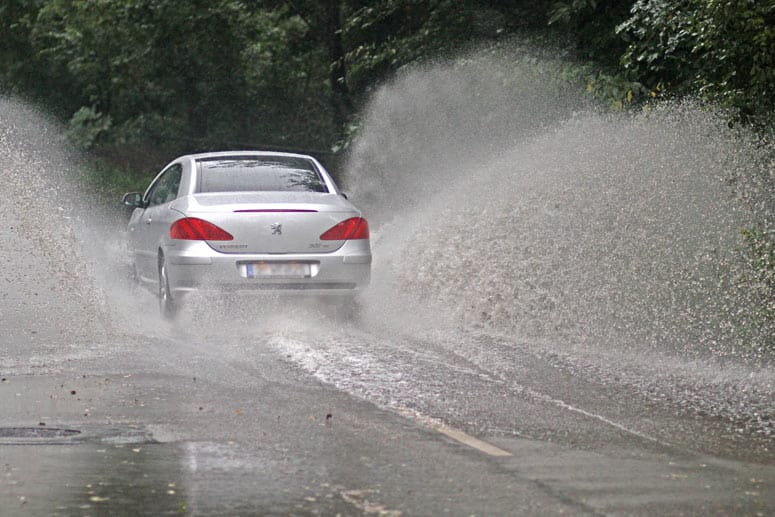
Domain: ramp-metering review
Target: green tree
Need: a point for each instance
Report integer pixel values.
(21, 69)
(591, 24)
(722, 49)
(158, 68)
(163, 76)
(175, 76)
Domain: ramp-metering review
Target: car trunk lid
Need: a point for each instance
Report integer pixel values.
(272, 222)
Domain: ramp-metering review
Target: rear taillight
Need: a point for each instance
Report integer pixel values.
(353, 228)
(193, 229)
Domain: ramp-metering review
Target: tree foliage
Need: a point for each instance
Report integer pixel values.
(180, 74)
(166, 76)
(592, 24)
(723, 50)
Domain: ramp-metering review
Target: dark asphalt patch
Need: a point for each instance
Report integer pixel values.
(42, 435)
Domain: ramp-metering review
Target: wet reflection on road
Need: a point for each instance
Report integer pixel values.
(92, 478)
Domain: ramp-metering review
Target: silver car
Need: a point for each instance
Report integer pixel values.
(247, 220)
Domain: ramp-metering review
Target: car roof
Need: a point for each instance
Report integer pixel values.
(218, 154)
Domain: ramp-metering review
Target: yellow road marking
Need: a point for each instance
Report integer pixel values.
(469, 440)
(456, 434)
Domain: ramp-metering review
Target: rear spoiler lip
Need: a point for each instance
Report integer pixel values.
(274, 210)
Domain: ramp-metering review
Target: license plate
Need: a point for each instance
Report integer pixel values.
(274, 270)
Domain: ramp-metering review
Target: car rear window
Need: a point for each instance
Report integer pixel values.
(259, 173)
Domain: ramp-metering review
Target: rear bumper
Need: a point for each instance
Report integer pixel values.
(194, 266)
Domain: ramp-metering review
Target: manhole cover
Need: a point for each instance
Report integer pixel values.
(45, 435)
(36, 432)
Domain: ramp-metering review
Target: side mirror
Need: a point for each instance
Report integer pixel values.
(344, 195)
(133, 199)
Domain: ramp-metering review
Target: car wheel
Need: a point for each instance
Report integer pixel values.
(167, 305)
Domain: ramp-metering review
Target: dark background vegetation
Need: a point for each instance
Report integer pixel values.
(140, 81)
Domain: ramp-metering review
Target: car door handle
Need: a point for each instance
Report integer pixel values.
(148, 221)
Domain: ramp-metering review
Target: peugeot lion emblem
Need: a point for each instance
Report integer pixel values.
(277, 229)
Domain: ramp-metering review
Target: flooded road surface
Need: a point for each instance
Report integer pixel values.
(211, 426)
(558, 336)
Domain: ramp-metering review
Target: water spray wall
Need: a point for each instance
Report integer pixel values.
(502, 203)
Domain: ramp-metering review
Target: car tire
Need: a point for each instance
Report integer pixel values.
(167, 305)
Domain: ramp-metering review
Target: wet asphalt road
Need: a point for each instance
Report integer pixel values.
(202, 420)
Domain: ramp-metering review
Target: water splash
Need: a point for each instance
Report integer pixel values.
(47, 283)
(500, 207)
